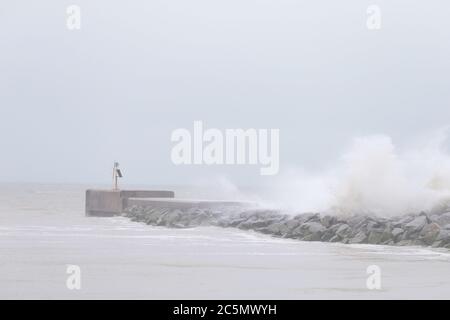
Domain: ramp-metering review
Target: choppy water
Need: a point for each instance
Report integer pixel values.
(43, 229)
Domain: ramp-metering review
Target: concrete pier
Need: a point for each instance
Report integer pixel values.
(107, 203)
(183, 203)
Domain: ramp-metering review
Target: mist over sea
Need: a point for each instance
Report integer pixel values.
(43, 229)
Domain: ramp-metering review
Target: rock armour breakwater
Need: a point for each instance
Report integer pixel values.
(414, 229)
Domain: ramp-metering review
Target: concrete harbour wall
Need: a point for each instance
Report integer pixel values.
(107, 203)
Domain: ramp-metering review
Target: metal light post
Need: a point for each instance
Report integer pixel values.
(116, 175)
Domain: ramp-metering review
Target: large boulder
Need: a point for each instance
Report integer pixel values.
(417, 224)
(336, 238)
(327, 235)
(152, 217)
(234, 222)
(360, 237)
(443, 219)
(376, 225)
(405, 243)
(202, 218)
(328, 221)
(343, 231)
(312, 237)
(375, 237)
(306, 217)
(170, 218)
(306, 230)
(357, 221)
(292, 224)
(400, 222)
(396, 233)
(429, 233)
(296, 233)
(254, 223)
(380, 235)
(314, 227)
(443, 238)
(277, 228)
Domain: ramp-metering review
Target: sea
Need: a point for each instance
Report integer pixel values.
(44, 233)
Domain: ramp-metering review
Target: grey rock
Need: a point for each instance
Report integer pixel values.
(417, 224)
(420, 229)
(164, 217)
(328, 221)
(443, 219)
(375, 225)
(254, 223)
(277, 229)
(397, 232)
(297, 232)
(429, 233)
(404, 243)
(357, 221)
(310, 231)
(327, 235)
(403, 221)
(235, 222)
(202, 218)
(343, 230)
(360, 237)
(223, 222)
(335, 239)
(438, 244)
(152, 218)
(335, 227)
(312, 237)
(375, 237)
(179, 225)
(409, 235)
(305, 217)
(315, 218)
(444, 235)
(244, 225)
(418, 242)
(313, 227)
(292, 224)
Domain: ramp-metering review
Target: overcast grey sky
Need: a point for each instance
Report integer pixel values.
(72, 102)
